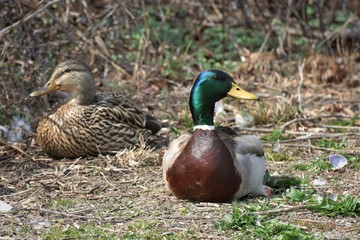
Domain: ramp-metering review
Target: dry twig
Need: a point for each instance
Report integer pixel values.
(301, 75)
(281, 210)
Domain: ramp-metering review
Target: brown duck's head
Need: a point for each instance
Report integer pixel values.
(73, 77)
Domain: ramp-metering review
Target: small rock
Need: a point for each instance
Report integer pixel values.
(219, 107)
(319, 181)
(277, 147)
(4, 207)
(243, 119)
(337, 161)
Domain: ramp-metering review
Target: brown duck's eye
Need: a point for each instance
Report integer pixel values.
(67, 70)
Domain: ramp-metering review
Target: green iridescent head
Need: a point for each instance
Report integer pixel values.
(209, 87)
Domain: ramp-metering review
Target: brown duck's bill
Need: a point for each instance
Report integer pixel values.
(44, 90)
(240, 93)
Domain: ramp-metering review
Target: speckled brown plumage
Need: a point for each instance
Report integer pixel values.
(89, 124)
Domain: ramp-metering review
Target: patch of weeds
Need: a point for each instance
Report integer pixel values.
(275, 135)
(147, 230)
(188, 123)
(175, 130)
(343, 122)
(281, 182)
(142, 225)
(3, 65)
(219, 50)
(279, 112)
(318, 165)
(54, 232)
(62, 203)
(214, 62)
(250, 39)
(261, 116)
(286, 112)
(341, 18)
(328, 143)
(296, 195)
(239, 220)
(344, 206)
(3, 119)
(353, 160)
(24, 229)
(88, 231)
(279, 156)
(255, 226)
(174, 66)
(189, 234)
(301, 44)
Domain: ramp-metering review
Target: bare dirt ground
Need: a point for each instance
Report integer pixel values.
(309, 109)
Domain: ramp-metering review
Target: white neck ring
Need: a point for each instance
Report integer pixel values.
(204, 127)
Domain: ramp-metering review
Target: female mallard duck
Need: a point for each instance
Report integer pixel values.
(214, 165)
(89, 124)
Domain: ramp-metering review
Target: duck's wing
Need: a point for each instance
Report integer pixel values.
(249, 160)
(120, 109)
(175, 148)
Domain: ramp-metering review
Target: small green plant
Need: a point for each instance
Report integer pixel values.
(239, 219)
(318, 165)
(175, 130)
(89, 231)
(257, 226)
(261, 115)
(281, 182)
(142, 224)
(275, 135)
(328, 143)
(278, 113)
(343, 122)
(280, 156)
(54, 232)
(287, 112)
(354, 161)
(24, 229)
(188, 122)
(147, 230)
(296, 195)
(344, 206)
(62, 203)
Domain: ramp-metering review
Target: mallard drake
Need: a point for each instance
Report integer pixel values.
(214, 164)
(89, 124)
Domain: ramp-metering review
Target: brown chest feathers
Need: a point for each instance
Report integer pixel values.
(205, 170)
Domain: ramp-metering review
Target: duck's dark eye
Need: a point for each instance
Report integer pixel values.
(67, 70)
(214, 77)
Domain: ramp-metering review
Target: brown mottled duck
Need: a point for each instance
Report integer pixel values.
(89, 123)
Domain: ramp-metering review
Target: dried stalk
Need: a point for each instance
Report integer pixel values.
(281, 210)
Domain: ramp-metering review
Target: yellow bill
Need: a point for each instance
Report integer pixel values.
(49, 87)
(240, 93)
